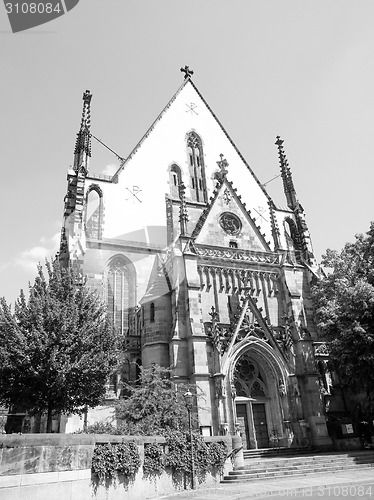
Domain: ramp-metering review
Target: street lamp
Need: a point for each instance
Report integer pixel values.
(188, 402)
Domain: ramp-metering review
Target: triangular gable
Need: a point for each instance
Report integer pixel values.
(139, 144)
(247, 322)
(164, 145)
(226, 220)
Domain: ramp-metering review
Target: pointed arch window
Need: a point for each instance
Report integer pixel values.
(94, 212)
(249, 381)
(121, 294)
(175, 180)
(196, 167)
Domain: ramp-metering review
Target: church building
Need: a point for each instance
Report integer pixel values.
(202, 272)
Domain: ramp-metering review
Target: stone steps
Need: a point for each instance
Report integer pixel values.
(300, 466)
(276, 452)
(311, 460)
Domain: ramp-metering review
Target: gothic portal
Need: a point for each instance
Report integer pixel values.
(202, 271)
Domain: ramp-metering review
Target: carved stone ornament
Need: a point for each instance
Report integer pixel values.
(230, 223)
(281, 388)
(227, 196)
(237, 254)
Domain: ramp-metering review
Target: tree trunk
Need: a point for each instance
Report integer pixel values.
(49, 418)
(85, 419)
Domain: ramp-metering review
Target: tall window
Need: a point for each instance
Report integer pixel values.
(196, 167)
(94, 212)
(121, 293)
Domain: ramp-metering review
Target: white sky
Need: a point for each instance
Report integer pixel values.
(302, 69)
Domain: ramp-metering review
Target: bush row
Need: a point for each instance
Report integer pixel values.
(111, 460)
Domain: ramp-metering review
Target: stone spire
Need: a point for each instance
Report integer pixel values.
(82, 149)
(289, 189)
(301, 236)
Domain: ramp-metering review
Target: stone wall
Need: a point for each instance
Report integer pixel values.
(36, 466)
(40, 466)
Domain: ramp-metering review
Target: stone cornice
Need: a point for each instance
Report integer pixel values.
(237, 254)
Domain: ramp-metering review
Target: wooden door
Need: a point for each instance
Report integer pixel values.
(260, 425)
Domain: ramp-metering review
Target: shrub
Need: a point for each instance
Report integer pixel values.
(110, 460)
(154, 459)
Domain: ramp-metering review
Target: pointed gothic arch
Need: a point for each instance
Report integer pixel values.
(196, 166)
(121, 293)
(93, 218)
(175, 180)
(256, 381)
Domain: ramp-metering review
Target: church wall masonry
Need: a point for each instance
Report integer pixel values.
(201, 271)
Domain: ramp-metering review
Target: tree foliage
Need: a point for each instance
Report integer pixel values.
(58, 348)
(154, 407)
(345, 311)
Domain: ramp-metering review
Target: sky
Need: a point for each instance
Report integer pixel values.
(300, 69)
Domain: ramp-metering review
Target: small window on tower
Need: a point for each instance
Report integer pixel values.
(175, 180)
(233, 244)
(152, 315)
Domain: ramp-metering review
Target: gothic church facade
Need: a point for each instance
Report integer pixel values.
(202, 272)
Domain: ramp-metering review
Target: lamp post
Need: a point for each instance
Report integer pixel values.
(188, 402)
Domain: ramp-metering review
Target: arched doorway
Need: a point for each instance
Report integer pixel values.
(251, 403)
(256, 378)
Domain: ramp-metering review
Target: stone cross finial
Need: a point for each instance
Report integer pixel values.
(187, 72)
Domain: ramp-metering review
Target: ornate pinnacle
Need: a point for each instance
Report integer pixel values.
(187, 72)
(183, 214)
(83, 142)
(288, 186)
(274, 225)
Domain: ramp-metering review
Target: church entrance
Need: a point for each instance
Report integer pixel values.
(252, 421)
(252, 403)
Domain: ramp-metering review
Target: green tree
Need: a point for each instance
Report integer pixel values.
(154, 406)
(58, 348)
(344, 302)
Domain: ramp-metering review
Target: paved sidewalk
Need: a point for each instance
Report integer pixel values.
(286, 487)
